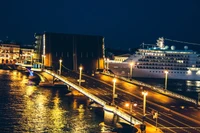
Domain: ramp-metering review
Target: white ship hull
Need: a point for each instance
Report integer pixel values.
(123, 69)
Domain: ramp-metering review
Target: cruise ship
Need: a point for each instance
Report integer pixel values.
(159, 61)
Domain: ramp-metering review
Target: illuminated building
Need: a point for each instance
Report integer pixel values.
(9, 53)
(26, 55)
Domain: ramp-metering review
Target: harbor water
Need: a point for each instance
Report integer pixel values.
(25, 107)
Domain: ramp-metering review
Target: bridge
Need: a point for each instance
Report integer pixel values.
(109, 109)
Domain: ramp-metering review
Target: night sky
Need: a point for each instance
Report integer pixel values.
(124, 23)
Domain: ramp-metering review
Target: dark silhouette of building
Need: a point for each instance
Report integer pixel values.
(74, 50)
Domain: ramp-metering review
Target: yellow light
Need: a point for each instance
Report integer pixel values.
(80, 67)
(60, 60)
(166, 72)
(127, 105)
(131, 64)
(114, 80)
(144, 93)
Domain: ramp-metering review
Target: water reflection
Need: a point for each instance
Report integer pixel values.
(29, 108)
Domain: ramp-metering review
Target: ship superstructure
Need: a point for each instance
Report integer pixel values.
(155, 61)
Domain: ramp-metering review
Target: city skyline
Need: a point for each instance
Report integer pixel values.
(124, 24)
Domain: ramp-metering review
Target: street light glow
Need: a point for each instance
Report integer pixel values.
(131, 70)
(60, 68)
(127, 104)
(145, 93)
(166, 72)
(114, 80)
(80, 74)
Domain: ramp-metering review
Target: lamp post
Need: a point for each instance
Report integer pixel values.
(80, 68)
(131, 105)
(166, 73)
(60, 68)
(113, 96)
(144, 93)
(107, 64)
(131, 70)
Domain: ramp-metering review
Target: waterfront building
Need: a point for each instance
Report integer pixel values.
(9, 53)
(27, 55)
(121, 58)
(38, 47)
(73, 49)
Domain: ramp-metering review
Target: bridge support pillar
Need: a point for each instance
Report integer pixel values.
(110, 118)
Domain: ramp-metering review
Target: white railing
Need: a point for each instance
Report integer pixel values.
(121, 114)
(96, 99)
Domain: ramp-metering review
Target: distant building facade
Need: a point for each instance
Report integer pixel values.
(9, 53)
(38, 47)
(74, 50)
(121, 58)
(27, 55)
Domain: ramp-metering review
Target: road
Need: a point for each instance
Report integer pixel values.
(175, 116)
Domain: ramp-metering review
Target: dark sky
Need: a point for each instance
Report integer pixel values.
(123, 23)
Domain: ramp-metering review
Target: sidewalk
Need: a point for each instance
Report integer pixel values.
(149, 129)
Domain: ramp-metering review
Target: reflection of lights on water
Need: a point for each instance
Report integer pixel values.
(75, 104)
(81, 111)
(40, 101)
(104, 127)
(197, 83)
(57, 114)
(193, 83)
(30, 90)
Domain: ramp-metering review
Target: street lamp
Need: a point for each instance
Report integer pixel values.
(107, 64)
(113, 96)
(166, 73)
(144, 93)
(131, 105)
(60, 68)
(80, 68)
(131, 69)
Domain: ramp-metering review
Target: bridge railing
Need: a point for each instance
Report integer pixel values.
(121, 114)
(96, 99)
